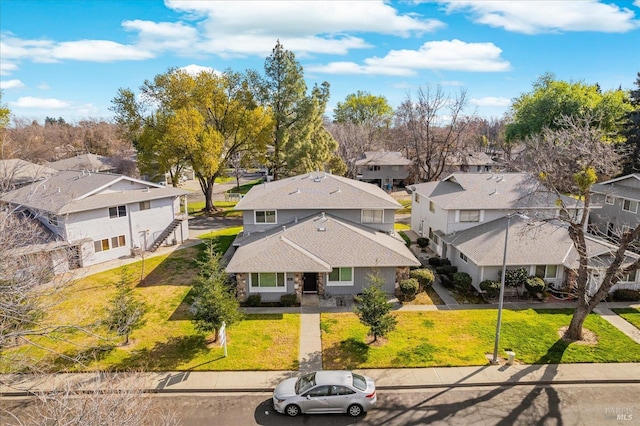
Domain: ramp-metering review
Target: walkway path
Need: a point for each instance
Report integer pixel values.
(618, 322)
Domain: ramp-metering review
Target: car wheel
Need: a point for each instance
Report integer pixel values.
(354, 410)
(292, 410)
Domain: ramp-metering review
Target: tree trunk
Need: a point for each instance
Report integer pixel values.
(574, 332)
(208, 198)
(216, 333)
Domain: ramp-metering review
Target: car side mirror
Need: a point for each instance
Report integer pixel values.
(308, 396)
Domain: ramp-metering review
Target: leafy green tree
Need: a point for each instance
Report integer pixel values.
(550, 99)
(5, 114)
(214, 301)
(124, 312)
(202, 121)
(374, 309)
(631, 130)
(364, 108)
(300, 141)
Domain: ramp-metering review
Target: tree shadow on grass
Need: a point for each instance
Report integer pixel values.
(178, 268)
(519, 414)
(348, 354)
(81, 358)
(165, 355)
(419, 354)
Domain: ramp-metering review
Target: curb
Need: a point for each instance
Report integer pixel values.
(378, 388)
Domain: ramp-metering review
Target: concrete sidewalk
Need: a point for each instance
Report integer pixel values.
(386, 379)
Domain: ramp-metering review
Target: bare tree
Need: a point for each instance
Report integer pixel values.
(353, 140)
(431, 129)
(109, 399)
(570, 159)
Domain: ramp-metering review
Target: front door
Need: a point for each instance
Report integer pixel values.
(310, 284)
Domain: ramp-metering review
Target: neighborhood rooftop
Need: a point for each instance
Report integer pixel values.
(74, 191)
(320, 242)
(383, 158)
(317, 191)
(489, 191)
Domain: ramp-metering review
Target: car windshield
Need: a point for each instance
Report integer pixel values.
(305, 382)
(359, 382)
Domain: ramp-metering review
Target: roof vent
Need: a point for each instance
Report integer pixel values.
(499, 178)
(338, 190)
(284, 228)
(322, 228)
(58, 190)
(323, 215)
(495, 191)
(146, 189)
(295, 219)
(490, 176)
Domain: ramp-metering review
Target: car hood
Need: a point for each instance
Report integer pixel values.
(286, 388)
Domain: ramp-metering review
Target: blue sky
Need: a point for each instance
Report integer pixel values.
(68, 58)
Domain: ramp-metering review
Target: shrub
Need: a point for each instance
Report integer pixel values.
(515, 277)
(254, 300)
(424, 276)
(626, 295)
(448, 270)
(445, 262)
(434, 261)
(409, 288)
(492, 288)
(462, 281)
(446, 281)
(287, 300)
(407, 240)
(422, 242)
(535, 285)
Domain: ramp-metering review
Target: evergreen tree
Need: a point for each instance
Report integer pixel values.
(374, 309)
(124, 312)
(631, 130)
(300, 141)
(214, 301)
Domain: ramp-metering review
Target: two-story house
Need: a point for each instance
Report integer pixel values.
(104, 216)
(618, 200)
(386, 169)
(317, 233)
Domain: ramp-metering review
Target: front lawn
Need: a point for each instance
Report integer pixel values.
(630, 314)
(168, 339)
(462, 338)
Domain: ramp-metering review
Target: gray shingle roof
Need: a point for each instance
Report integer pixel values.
(530, 243)
(489, 191)
(615, 187)
(72, 191)
(318, 244)
(383, 158)
(20, 172)
(91, 162)
(317, 191)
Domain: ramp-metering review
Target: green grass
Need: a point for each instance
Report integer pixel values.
(407, 240)
(246, 187)
(630, 314)
(197, 206)
(462, 338)
(223, 238)
(401, 226)
(406, 206)
(168, 339)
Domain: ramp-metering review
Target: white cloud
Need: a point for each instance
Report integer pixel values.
(14, 48)
(6, 68)
(38, 103)
(452, 83)
(251, 28)
(491, 101)
(43, 86)
(11, 84)
(435, 55)
(531, 17)
(194, 69)
(160, 36)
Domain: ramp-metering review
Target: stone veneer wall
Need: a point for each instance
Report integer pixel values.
(320, 283)
(241, 287)
(298, 281)
(402, 273)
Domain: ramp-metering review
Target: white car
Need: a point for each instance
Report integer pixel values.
(325, 392)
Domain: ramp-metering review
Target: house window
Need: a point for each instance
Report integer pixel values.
(372, 216)
(145, 205)
(417, 198)
(118, 241)
(265, 216)
(101, 245)
(630, 206)
(268, 281)
(609, 199)
(546, 271)
(433, 236)
(463, 257)
(374, 168)
(432, 207)
(119, 211)
(487, 168)
(630, 277)
(340, 276)
(469, 215)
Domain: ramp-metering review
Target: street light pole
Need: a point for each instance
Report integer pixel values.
(494, 360)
